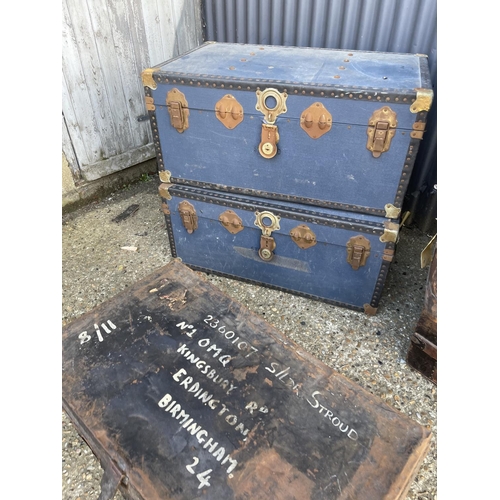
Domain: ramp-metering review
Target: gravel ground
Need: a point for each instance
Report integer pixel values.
(369, 350)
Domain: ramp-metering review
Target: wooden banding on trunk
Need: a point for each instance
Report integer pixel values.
(182, 392)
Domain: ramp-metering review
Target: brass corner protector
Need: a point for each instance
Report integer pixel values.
(370, 310)
(391, 212)
(147, 78)
(163, 190)
(391, 232)
(165, 176)
(423, 100)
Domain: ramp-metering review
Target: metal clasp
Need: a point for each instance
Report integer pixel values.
(381, 130)
(178, 110)
(358, 250)
(267, 222)
(268, 139)
(188, 216)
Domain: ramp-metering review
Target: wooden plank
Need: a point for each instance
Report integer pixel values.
(160, 31)
(117, 163)
(76, 103)
(137, 35)
(184, 393)
(113, 64)
(106, 46)
(187, 19)
(94, 79)
(69, 152)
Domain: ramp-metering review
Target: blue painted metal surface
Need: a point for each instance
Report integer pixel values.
(320, 272)
(336, 170)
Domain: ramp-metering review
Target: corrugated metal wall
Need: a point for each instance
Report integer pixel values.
(381, 25)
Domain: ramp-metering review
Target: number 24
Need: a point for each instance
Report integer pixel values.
(202, 477)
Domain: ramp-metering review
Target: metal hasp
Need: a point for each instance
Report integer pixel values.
(271, 103)
(178, 110)
(358, 250)
(188, 216)
(381, 129)
(231, 221)
(267, 222)
(303, 236)
(316, 120)
(268, 140)
(229, 111)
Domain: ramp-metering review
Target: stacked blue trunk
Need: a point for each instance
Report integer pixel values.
(288, 166)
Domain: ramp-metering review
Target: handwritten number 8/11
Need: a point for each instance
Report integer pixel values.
(85, 337)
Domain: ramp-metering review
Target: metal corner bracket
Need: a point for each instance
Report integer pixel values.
(165, 176)
(391, 232)
(163, 190)
(370, 310)
(391, 212)
(147, 78)
(423, 100)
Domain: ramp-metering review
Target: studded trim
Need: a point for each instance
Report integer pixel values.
(226, 200)
(381, 94)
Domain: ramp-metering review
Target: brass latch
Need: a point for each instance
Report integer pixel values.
(229, 111)
(267, 246)
(188, 216)
(231, 221)
(271, 103)
(268, 139)
(381, 130)
(358, 250)
(178, 110)
(316, 120)
(267, 222)
(303, 236)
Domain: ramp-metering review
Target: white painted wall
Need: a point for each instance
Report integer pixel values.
(105, 47)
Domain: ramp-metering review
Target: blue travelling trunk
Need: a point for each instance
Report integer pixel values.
(324, 127)
(325, 254)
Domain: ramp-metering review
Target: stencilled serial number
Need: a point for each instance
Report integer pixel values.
(215, 323)
(85, 337)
